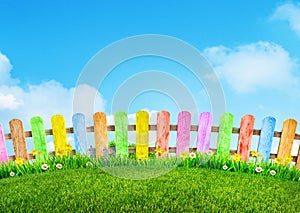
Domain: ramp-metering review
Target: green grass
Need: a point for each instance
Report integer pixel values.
(181, 190)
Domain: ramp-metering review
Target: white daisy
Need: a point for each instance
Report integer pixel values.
(45, 167)
(192, 155)
(273, 172)
(59, 165)
(12, 174)
(258, 169)
(225, 167)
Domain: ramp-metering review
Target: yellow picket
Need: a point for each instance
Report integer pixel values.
(59, 134)
(142, 131)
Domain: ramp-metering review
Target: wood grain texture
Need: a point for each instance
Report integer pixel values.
(79, 128)
(245, 136)
(266, 137)
(225, 132)
(204, 131)
(18, 139)
(121, 133)
(183, 132)
(39, 137)
(100, 133)
(287, 138)
(298, 159)
(142, 135)
(3, 150)
(163, 132)
(59, 134)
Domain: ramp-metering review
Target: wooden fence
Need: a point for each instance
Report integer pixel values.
(162, 128)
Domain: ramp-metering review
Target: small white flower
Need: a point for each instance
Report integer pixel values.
(258, 169)
(192, 155)
(59, 165)
(12, 174)
(89, 164)
(273, 172)
(45, 167)
(210, 152)
(225, 167)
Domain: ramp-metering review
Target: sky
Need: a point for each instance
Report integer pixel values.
(252, 46)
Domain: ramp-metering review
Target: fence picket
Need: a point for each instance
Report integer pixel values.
(163, 132)
(204, 132)
(39, 137)
(18, 139)
(225, 132)
(3, 150)
(183, 132)
(121, 133)
(79, 128)
(298, 159)
(59, 134)
(245, 136)
(100, 133)
(287, 138)
(266, 137)
(142, 135)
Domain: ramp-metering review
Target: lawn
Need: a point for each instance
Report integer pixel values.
(180, 190)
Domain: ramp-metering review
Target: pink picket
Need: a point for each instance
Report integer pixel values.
(3, 150)
(204, 132)
(183, 132)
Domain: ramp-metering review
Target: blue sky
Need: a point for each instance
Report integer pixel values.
(253, 46)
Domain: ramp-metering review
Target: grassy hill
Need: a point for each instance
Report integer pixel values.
(180, 190)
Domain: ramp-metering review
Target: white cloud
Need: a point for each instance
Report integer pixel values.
(45, 99)
(261, 65)
(8, 102)
(291, 13)
(5, 67)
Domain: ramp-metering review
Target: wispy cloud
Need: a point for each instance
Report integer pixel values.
(291, 13)
(248, 68)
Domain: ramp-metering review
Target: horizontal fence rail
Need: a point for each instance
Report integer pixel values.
(153, 127)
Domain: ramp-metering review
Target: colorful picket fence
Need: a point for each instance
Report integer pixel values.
(162, 128)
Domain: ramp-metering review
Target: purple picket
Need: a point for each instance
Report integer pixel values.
(204, 132)
(3, 150)
(266, 137)
(183, 132)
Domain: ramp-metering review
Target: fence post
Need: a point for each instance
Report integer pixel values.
(100, 133)
(39, 137)
(204, 132)
(163, 132)
(121, 133)
(287, 138)
(79, 128)
(142, 135)
(3, 150)
(245, 136)
(183, 132)
(225, 132)
(18, 139)
(59, 134)
(266, 137)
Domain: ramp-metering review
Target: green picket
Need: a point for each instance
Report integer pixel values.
(39, 137)
(225, 132)
(121, 133)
